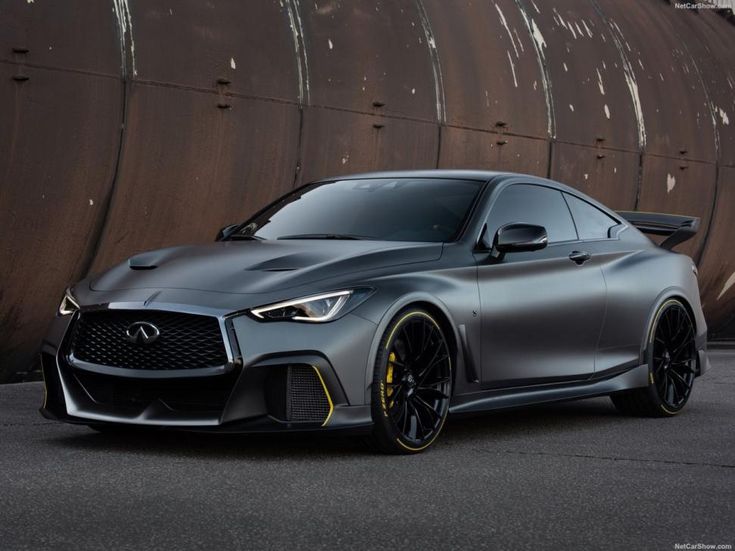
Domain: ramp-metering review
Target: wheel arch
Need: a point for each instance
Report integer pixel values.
(668, 294)
(439, 312)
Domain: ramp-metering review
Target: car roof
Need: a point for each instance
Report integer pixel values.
(483, 175)
(458, 174)
(497, 177)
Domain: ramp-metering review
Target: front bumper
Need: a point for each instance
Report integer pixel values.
(236, 399)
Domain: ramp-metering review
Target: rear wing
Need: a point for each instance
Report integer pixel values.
(677, 228)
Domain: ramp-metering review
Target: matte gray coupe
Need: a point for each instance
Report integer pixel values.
(380, 304)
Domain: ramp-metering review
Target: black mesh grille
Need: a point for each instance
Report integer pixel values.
(186, 341)
(305, 397)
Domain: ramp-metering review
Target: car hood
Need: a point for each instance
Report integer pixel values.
(258, 266)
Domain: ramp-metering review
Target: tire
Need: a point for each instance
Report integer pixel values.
(671, 357)
(412, 384)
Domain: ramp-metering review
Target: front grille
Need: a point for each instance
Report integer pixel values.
(294, 393)
(185, 341)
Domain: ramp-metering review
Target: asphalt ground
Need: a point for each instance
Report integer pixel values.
(569, 475)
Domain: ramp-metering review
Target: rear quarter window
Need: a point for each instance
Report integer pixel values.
(591, 222)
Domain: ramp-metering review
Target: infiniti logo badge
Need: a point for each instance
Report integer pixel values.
(142, 332)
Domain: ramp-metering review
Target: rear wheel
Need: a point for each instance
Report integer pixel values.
(412, 384)
(671, 356)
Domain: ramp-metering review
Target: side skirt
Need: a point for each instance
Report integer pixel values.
(540, 394)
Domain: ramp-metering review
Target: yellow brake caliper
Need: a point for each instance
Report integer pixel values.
(389, 375)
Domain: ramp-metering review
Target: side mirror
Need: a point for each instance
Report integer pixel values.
(515, 238)
(226, 232)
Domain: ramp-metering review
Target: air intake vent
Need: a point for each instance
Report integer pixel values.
(183, 341)
(295, 393)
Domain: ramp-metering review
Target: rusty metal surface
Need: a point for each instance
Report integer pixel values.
(72, 34)
(339, 142)
(592, 103)
(490, 68)
(713, 52)
(607, 175)
(360, 54)
(676, 118)
(462, 148)
(194, 43)
(219, 166)
(60, 134)
(679, 187)
(176, 118)
(718, 262)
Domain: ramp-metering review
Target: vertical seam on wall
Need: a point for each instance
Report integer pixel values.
(441, 110)
(545, 82)
(123, 27)
(632, 83)
(293, 11)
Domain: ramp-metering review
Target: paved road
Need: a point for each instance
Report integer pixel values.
(567, 475)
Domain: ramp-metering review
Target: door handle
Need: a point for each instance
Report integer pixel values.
(579, 257)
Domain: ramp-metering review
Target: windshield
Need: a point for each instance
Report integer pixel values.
(386, 209)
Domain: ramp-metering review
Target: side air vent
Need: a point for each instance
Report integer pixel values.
(296, 394)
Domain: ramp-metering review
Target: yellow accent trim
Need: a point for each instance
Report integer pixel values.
(400, 321)
(387, 343)
(45, 392)
(329, 398)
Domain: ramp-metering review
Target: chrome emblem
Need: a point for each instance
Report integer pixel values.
(142, 332)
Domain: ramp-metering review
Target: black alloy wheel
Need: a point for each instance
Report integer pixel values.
(672, 358)
(412, 383)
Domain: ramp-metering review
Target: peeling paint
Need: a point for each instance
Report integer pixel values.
(125, 30)
(607, 111)
(670, 183)
(723, 116)
(630, 80)
(512, 68)
(436, 68)
(302, 62)
(586, 28)
(507, 30)
(726, 287)
(539, 44)
(571, 108)
(599, 82)
(233, 65)
(329, 42)
(566, 69)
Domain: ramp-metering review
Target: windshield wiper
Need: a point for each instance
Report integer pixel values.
(322, 236)
(241, 237)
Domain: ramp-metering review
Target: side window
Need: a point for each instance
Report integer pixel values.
(530, 204)
(591, 222)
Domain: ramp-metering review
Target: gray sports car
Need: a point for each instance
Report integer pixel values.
(379, 304)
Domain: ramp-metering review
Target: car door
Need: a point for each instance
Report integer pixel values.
(541, 310)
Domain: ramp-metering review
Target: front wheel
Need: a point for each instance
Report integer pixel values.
(412, 383)
(671, 356)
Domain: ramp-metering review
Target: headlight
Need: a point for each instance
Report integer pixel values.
(316, 308)
(68, 304)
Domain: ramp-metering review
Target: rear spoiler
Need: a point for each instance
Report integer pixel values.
(677, 228)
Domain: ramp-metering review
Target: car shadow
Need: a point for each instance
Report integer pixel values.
(494, 427)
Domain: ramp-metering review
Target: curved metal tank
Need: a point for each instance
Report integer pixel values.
(128, 125)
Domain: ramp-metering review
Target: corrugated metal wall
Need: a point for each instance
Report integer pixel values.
(129, 125)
